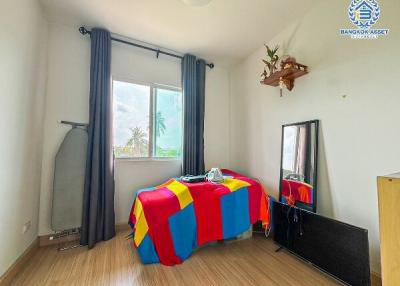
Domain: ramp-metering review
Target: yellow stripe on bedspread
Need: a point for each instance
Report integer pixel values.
(234, 184)
(181, 192)
(141, 226)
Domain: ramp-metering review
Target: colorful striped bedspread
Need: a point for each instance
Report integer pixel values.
(171, 220)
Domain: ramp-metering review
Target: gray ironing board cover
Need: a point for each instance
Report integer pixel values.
(69, 179)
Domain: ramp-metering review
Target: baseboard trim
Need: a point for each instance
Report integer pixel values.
(44, 240)
(122, 227)
(376, 279)
(17, 266)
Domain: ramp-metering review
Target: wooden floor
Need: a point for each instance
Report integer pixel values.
(247, 262)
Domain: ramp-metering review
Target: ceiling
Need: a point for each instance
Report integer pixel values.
(224, 31)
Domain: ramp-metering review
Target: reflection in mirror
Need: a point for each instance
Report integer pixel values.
(298, 184)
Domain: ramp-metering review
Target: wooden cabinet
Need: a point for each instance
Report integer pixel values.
(389, 220)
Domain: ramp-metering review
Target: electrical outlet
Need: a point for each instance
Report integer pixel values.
(26, 226)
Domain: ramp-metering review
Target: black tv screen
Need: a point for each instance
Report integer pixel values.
(335, 247)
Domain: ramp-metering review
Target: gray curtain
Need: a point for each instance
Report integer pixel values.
(193, 85)
(98, 218)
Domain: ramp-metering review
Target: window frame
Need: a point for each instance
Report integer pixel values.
(152, 112)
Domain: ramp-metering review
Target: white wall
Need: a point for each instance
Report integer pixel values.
(216, 121)
(23, 56)
(68, 96)
(359, 134)
(67, 99)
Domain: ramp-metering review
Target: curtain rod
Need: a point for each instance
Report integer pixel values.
(85, 31)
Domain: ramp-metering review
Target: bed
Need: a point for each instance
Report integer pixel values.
(172, 220)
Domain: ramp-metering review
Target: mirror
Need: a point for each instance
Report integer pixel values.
(299, 154)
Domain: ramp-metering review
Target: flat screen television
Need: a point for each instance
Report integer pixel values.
(334, 247)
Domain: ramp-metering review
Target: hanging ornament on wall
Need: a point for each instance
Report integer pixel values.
(281, 85)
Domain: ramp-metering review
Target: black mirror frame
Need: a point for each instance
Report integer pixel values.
(315, 186)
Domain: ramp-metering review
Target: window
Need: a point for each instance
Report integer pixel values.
(147, 120)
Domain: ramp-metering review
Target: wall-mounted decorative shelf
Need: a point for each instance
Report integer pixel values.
(289, 71)
(288, 76)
